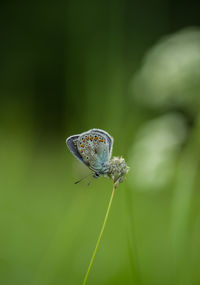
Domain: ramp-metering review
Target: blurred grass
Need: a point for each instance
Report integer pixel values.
(49, 226)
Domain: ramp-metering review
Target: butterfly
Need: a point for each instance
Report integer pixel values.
(93, 148)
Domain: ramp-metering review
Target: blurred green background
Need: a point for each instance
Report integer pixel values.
(131, 68)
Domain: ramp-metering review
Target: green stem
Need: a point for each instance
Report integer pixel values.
(100, 236)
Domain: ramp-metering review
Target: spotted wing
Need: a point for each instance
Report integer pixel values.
(110, 140)
(72, 145)
(94, 148)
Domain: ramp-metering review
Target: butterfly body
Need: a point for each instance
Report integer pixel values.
(93, 148)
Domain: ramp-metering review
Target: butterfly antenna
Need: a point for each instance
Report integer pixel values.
(82, 178)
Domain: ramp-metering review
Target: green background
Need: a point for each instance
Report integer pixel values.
(67, 67)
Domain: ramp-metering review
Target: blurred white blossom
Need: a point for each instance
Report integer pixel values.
(170, 74)
(155, 150)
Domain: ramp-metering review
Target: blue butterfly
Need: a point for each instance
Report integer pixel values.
(93, 148)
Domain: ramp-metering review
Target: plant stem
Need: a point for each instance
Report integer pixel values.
(100, 236)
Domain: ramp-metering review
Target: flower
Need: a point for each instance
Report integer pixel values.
(117, 170)
(155, 152)
(170, 74)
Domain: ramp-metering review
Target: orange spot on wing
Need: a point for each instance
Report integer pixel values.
(91, 138)
(101, 140)
(82, 145)
(83, 140)
(95, 138)
(87, 138)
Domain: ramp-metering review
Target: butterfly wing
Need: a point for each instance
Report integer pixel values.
(95, 148)
(72, 145)
(110, 140)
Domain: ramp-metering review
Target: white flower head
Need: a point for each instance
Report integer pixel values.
(117, 170)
